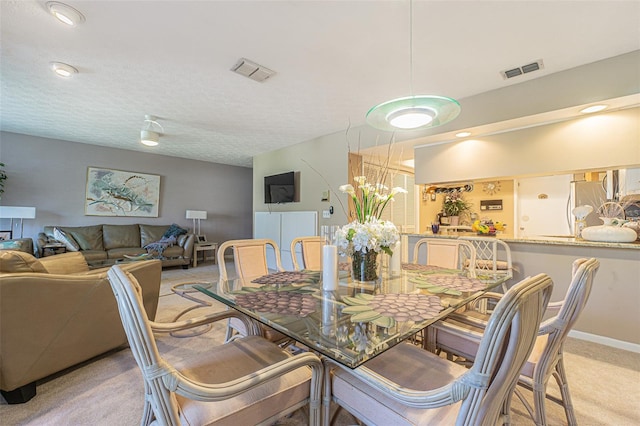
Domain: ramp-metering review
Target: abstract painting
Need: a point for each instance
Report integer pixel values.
(120, 193)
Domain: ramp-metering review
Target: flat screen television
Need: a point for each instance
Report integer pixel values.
(280, 188)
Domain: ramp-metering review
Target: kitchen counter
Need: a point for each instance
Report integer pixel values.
(537, 239)
(611, 314)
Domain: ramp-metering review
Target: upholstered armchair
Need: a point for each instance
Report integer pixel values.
(55, 313)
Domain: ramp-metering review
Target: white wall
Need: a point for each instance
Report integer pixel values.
(594, 142)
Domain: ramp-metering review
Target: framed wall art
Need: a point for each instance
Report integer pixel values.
(5, 235)
(119, 193)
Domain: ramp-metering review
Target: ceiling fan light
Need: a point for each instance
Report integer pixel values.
(65, 13)
(149, 138)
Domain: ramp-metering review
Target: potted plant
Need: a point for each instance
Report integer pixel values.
(454, 206)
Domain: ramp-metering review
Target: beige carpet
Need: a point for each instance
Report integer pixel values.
(605, 382)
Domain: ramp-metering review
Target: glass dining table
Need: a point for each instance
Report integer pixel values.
(356, 321)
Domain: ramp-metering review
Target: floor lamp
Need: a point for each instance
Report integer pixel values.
(197, 215)
(14, 212)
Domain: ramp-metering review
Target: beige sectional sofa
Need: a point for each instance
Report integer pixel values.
(55, 313)
(103, 243)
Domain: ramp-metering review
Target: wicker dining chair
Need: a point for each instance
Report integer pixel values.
(408, 385)
(460, 334)
(249, 257)
(247, 381)
(492, 256)
(446, 253)
(250, 260)
(311, 252)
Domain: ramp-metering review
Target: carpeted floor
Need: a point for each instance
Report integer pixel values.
(605, 382)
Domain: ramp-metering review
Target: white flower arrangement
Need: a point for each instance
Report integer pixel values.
(368, 232)
(372, 235)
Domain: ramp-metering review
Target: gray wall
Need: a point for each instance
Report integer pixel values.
(51, 174)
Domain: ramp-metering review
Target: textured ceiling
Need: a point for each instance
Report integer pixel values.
(334, 59)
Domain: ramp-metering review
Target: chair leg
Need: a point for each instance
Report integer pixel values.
(561, 378)
(539, 400)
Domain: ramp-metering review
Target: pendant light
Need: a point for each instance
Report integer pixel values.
(148, 136)
(413, 112)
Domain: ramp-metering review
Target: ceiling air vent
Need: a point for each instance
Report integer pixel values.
(514, 72)
(252, 70)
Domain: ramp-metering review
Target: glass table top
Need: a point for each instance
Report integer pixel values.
(357, 321)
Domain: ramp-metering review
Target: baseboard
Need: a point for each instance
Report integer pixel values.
(607, 341)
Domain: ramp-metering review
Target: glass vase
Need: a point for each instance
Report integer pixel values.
(365, 266)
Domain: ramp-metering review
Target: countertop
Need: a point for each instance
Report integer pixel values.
(538, 239)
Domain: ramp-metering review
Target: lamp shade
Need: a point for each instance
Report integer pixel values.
(196, 214)
(14, 212)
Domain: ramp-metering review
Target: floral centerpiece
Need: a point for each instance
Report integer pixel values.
(368, 235)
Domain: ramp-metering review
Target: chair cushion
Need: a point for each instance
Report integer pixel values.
(66, 239)
(19, 261)
(241, 357)
(410, 367)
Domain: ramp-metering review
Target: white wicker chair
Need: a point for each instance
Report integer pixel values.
(247, 381)
(446, 253)
(460, 335)
(492, 256)
(250, 260)
(408, 385)
(249, 257)
(311, 250)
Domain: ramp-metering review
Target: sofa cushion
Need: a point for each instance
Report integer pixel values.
(66, 239)
(151, 233)
(19, 261)
(88, 237)
(119, 253)
(119, 236)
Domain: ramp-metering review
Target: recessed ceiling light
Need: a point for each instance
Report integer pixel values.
(463, 134)
(65, 13)
(593, 108)
(63, 70)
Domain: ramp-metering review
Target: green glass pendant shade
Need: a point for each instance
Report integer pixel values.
(413, 113)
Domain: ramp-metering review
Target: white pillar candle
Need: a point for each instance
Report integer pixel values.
(329, 268)
(395, 264)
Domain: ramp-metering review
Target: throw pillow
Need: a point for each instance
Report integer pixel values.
(174, 231)
(66, 239)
